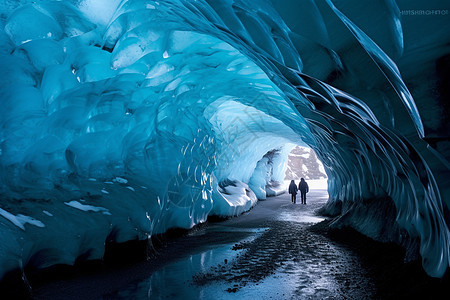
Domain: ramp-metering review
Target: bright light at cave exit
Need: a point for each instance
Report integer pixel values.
(304, 163)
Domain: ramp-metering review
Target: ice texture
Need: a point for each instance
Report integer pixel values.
(122, 119)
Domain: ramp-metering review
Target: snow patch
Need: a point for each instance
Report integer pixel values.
(120, 180)
(84, 207)
(47, 213)
(20, 220)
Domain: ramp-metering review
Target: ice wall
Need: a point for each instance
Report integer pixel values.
(121, 119)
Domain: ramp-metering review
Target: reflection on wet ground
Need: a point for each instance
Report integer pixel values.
(274, 256)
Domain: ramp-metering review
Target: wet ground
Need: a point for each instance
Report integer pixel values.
(272, 252)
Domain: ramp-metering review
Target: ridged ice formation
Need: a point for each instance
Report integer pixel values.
(121, 119)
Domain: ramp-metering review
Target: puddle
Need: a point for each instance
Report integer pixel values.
(302, 276)
(289, 217)
(174, 281)
(270, 264)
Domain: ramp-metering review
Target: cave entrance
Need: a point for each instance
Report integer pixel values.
(304, 163)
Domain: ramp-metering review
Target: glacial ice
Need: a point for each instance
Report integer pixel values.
(122, 119)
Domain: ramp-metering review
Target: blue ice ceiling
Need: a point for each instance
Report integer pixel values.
(121, 119)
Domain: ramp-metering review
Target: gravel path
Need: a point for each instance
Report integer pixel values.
(318, 267)
(278, 250)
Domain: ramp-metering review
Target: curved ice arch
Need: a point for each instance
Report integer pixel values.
(85, 116)
(124, 91)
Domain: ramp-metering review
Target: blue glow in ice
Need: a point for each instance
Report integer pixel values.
(160, 114)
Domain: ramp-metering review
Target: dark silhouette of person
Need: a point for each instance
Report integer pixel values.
(303, 187)
(293, 191)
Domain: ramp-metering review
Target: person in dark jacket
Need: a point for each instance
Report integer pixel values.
(293, 191)
(303, 187)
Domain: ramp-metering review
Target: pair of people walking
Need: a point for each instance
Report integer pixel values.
(302, 187)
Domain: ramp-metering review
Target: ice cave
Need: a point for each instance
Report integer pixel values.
(121, 119)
